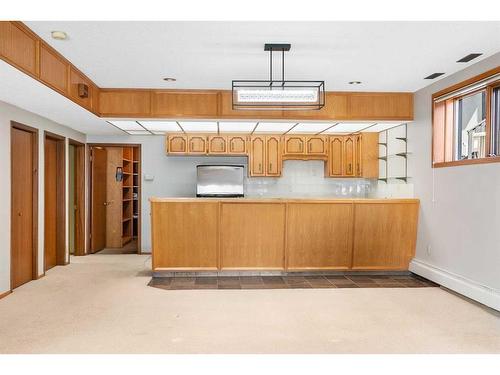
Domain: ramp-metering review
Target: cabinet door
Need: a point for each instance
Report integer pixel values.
(257, 156)
(316, 145)
(197, 144)
(273, 160)
(335, 159)
(349, 156)
(237, 144)
(176, 144)
(217, 144)
(358, 153)
(294, 145)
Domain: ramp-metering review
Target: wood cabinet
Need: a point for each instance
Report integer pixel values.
(353, 156)
(305, 145)
(252, 236)
(18, 46)
(53, 69)
(237, 144)
(217, 144)
(176, 143)
(283, 234)
(124, 103)
(265, 156)
(319, 235)
(197, 144)
(178, 103)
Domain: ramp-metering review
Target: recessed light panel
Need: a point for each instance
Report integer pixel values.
(381, 126)
(199, 126)
(348, 127)
(469, 57)
(434, 75)
(274, 127)
(160, 127)
(236, 127)
(126, 125)
(309, 127)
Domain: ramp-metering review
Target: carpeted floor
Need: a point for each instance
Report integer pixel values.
(102, 304)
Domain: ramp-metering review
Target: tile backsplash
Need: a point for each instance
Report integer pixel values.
(307, 179)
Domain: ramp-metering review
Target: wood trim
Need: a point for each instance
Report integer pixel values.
(80, 196)
(487, 160)
(61, 198)
(5, 294)
(35, 142)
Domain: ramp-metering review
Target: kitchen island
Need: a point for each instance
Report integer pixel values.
(245, 234)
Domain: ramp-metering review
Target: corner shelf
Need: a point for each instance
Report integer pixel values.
(404, 155)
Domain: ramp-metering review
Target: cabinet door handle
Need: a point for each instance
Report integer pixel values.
(260, 167)
(359, 169)
(350, 167)
(270, 166)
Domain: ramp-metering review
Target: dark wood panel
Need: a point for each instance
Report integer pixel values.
(50, 204)
(53, 69)
(18, 47)
(98, 199)
(184, 103)
(125, 103)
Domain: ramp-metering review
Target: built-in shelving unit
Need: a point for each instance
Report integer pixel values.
(135, 191)
(127, 195)
(386, 156)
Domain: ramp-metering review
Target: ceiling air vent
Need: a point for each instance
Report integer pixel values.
(469, 57)
(434, 75)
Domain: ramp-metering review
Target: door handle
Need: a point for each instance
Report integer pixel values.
(270, 166)
(19, 214)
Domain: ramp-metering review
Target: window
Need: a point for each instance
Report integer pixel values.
(466, 124)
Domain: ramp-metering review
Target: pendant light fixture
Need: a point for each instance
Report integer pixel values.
(275, 94)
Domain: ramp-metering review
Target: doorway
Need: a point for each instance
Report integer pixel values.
(24, 204)
(55, 200)
(115, 199)
(76, 197)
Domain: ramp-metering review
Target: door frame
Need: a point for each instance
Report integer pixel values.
(61, 198)
(139, 193)
(34, 187)
(80, 192)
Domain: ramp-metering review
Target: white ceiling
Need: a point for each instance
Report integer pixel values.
(385, 56)
(162, 127)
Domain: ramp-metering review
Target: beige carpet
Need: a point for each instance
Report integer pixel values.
(101, 304)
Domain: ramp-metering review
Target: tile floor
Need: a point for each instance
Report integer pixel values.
(291, 282)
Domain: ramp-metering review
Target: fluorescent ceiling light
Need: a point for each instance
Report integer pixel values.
(236, 127)
(348, 127)
(199, 126)
(161, 126)
(381, 126)
(138, 132)
(310, 127)
(249, 95)
(126, 125)
(274, 127)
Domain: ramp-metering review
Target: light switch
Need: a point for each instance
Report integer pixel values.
(149, 177)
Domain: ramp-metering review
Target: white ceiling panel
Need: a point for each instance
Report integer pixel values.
(274, 127)
(126, 125)
(199, 126)
(159, 127)
(138, 132)
(381, 126)
(310, 127)
(236, 127)
(348, 127)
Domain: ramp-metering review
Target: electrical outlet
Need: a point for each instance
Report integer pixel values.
(428, 249)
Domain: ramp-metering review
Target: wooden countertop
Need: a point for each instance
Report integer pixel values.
(284, 200)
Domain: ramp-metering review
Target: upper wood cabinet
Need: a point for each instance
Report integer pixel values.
(237, 144)
(305, 145)
(18, 46)
(217, 144)
(367, 153)
(176, 143)
(273, 156)
(193, 103)
(53, 69)
(349, 156)
(353, 156)
(294, 145)
(316, 145)
(197, 144)
(336, 156)
(125, 103)
(257, 156)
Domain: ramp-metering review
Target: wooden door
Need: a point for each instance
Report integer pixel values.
(273, 159)
(23, 209)
(115, 157)
(316, 145)
(237, 144)
(257, 156)
(349, 155)
(336, 156)
(176, 144)
(98, 216)
(197, 144)
(294, 145)
(358, 152)
(50, 237)
(217, 144)
(55, 201)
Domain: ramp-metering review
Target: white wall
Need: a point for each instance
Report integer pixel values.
(458, 241)
(10, 113)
